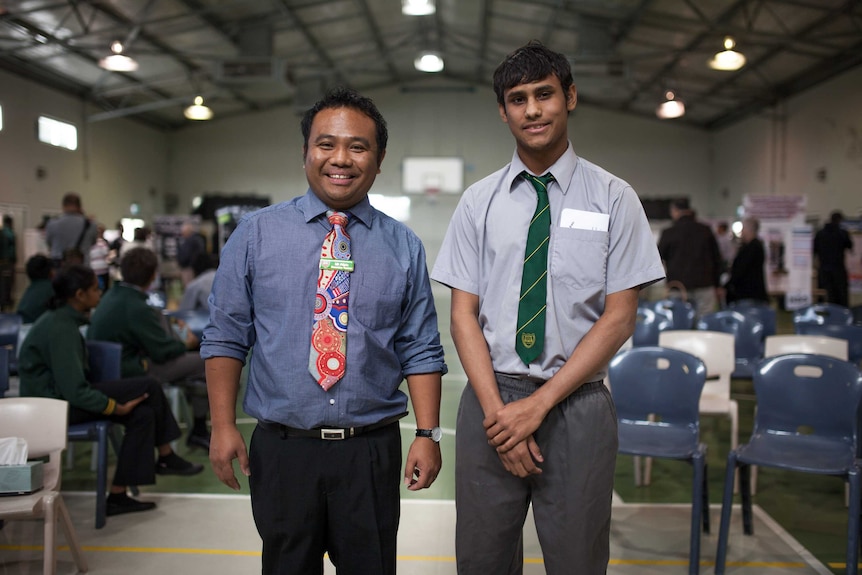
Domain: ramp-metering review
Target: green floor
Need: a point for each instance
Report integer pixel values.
(810, 508)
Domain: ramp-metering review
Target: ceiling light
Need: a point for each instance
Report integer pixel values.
(728, 59)
(428, 62)
(417, 7)
(117, 61)
(198, 111)
(671, 107)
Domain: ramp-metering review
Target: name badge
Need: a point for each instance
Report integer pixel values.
(339, 265)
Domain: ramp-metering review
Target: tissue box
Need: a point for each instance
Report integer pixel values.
(24, 478)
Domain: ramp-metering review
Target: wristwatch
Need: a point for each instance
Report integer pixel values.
(435, 434)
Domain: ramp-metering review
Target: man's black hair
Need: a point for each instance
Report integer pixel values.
(39, 267)
(531, 63)
(347, 98)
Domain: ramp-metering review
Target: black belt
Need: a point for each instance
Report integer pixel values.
(328, 433)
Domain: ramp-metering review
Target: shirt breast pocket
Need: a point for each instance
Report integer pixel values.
(579, 258)
(375, 300)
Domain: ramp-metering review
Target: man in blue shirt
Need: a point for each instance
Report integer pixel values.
(325, 458)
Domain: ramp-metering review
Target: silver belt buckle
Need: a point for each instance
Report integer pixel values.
(331, 434)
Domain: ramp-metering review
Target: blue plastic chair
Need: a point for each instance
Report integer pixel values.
(680, 312)
(806, 420)
(656, 391)
(851, 333)
(10, 325)
(648, 325)
(761, 310)
(104, 363)
(748, 337)
(4, 371)
(823, 313)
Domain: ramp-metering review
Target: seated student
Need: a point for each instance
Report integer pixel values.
(148, 348)
(53, 363)
(197, 292)
(34, 301)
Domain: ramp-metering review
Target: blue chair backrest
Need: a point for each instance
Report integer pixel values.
(10, 324)
(807, 394)
(105, 358)
(657, 381)
(747, 332)
(647, 326)
(681, 313)
(762, 311)
(851, 333)
(824, 313)
(4, 371)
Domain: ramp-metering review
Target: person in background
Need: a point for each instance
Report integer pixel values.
(99, 253)
(747, 279)
(148, 347)
(830, 243)
(8, 258)
(536, 424)
(726, 245)
(34, 301)
(325, 457)
(197, 292)
(691, 257)
(53, 363)
(190, 244)
(72, 229)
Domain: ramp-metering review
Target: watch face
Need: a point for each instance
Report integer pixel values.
(436, 434)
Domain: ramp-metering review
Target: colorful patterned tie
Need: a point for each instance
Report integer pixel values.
(530, 333)
(328, 355)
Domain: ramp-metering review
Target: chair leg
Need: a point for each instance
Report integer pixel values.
(71, 536)
(102, 476)
(745, 487)
(855, 507)
(636, 461)
(49, 566)
(696, 514)
(726, 508)
(705, 497)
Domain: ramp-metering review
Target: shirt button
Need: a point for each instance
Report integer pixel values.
(331, 402)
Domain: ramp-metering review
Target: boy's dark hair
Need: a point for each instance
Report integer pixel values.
(68, 281)
(347, 98)
(39, 267)
(138, 266)
(531, 63)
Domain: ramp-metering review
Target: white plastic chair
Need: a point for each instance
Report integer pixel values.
(819, 344)
(716, 350)
(42, 423)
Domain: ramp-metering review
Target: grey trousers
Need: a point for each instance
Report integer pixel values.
(571, 498)
(189, 372)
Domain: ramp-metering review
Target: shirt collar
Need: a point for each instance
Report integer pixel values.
(313, 208)
(563, 169)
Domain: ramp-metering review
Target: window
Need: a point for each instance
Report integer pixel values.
(57, 133)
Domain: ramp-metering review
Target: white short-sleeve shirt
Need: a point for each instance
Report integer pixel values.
(600, 243)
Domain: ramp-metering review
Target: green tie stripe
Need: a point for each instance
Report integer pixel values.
(530, 333)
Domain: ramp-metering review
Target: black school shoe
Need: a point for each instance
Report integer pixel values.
(202, 441)
(173, 464)
(119, 503)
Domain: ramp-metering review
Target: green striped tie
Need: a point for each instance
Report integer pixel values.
(530, 334)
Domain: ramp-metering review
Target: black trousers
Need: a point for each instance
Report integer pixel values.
(312, 496)
(835, 284)
(150, 424)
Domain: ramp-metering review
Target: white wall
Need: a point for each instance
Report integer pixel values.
(781, 151)
(117, 161)
(262, 153)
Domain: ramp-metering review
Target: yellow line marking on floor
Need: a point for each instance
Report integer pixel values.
(414, 558)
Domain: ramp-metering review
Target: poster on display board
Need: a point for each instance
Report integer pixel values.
(787, 239)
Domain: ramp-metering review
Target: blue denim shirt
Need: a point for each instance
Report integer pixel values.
(263, 298)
